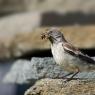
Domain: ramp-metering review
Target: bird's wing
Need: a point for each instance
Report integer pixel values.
(77, 53)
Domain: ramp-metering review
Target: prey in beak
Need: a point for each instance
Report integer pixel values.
(44, 35)
(53, 35)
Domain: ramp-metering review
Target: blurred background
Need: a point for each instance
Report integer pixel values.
(21, 24)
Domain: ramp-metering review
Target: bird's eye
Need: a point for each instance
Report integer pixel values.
(50, 33)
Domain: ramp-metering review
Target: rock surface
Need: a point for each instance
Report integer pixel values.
(25, 36)
(59, 87)
(14, 25)
(23, 71)
(79, 36)
(63, 5)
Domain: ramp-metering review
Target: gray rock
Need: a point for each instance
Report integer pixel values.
(24, 71)
(93, 58)
(20, 72)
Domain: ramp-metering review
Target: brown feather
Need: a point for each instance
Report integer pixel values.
(76, 52)
(69, 47)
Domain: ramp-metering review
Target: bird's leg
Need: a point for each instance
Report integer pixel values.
(63, 77)
(68, 79)
(67, 75)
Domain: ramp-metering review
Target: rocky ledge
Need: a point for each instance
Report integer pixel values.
(25, 35)
(59, 87)
(45, 78)
(24, 71)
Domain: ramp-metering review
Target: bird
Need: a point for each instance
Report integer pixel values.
(69, 57)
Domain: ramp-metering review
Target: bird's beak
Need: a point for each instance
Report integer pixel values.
(44, 35)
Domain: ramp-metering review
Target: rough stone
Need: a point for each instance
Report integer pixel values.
(14, 25)
(24, 71)
(46, 5)
(25, 34)
(59, 87)
(79, 36)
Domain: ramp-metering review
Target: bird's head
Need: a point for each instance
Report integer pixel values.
(54, 35)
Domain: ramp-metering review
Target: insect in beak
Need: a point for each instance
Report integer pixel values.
(44, 35)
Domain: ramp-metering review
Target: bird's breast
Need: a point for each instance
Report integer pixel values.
(58, 53)
(65, 60)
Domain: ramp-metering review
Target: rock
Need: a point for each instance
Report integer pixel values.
(46, 5)
(14, 25)
(59, 87)
(93, 58)
(80, 36)
(11, 6)
(28, 40)
(24, 71)
(19, 73)
(62, 5)
(25, 35)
